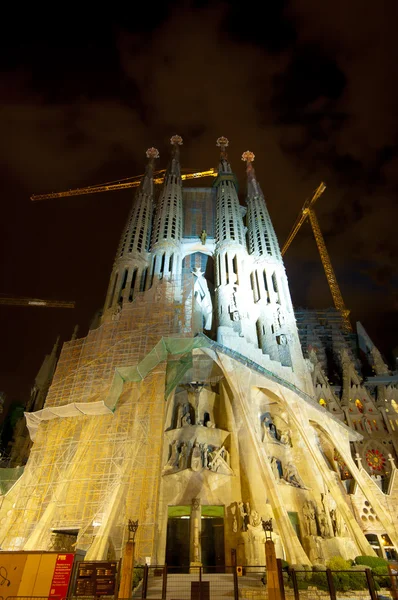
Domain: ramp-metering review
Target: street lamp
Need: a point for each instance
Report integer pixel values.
(267, 526)
(133, 526)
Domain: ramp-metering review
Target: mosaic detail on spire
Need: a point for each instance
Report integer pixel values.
(248, 156)
(152, 153)
(176, 139)
(222, 142)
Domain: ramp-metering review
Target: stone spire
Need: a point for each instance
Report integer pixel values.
(232, 278)
(229, 217)
(167, 229)
(132, 258)
(223, 166)
(276, 326)
(261, 234)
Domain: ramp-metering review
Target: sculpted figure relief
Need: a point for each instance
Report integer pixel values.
(323, 525)
(172, 463)
(292, 476)
(276, 468)
(203, 298)
(309, 518)
(243, 516)
(196, 460)
(269, 429)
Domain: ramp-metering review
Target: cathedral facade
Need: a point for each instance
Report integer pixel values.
(201, 403)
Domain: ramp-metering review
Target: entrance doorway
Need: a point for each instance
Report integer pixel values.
(179, 553)
(212, 542)
(178, 536)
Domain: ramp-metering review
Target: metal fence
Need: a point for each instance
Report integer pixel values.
(251, 583)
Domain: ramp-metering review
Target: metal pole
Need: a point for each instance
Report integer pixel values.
(371, 584)
(164, 583)
(280, 576)
(236, 589)
(332, 589)
(295, 585)
(145, 581)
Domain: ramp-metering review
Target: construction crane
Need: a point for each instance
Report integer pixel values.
(129, 182)
(22, 301)
(308, 211)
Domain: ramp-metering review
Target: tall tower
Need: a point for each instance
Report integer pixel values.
(276, 327)
(232, 278)
(167, 229)
(132, 261)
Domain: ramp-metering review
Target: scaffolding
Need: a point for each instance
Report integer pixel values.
(88, 473)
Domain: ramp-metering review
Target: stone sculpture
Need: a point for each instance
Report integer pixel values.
(186, 420)
(269, 429)
(183, 457)
(196, 460)
(218, 459)
(309, 518)
(275, 467)
(203, 299)
(285, 438)
(323, 524)
(172, 463)
(244, 516)
(256, 539)
(292, 477)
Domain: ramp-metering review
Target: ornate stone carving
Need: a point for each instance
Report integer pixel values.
(292, 476)
(152, 153)
(310, 518)
(222, 142)
(176, 139)
(276, 467)
(203, 303)
(248, 156)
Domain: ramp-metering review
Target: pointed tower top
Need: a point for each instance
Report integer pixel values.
(55, 347)
(253, 188)
(146, 185)
(223, 143)
(174, 167)
(224, 166)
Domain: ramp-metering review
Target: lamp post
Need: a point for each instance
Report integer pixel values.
(274, 589)
(127, 571)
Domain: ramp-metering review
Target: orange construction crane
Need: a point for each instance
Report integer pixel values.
(22, 301)
(308, 211)
(129, 182)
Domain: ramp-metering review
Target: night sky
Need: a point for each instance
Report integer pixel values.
(310, 87)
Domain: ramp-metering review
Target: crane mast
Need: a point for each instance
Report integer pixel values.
(308, 211)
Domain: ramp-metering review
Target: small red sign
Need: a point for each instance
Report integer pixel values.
(61, 576)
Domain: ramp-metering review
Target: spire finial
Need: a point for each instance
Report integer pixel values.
(248, 157)
(253, 188)
(152, 153)
(176, 140)
(222, 143)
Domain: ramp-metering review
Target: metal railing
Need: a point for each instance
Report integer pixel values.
(163, 582)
